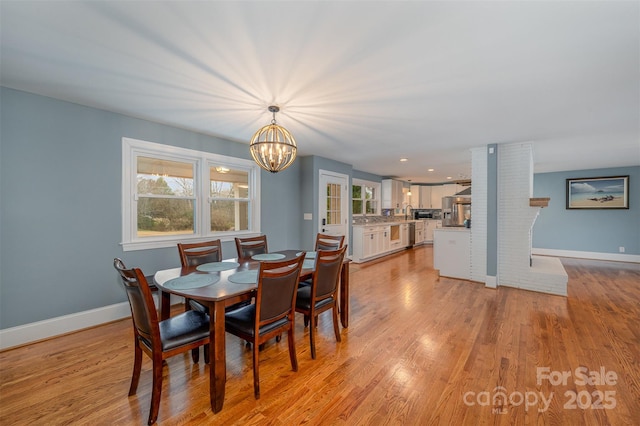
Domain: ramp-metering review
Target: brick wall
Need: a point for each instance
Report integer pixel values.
(515, 222)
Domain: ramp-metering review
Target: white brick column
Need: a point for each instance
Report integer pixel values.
(515, 222)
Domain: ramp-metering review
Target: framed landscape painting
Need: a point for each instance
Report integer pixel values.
(598, 193)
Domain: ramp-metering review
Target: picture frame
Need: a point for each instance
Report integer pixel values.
(610, 192)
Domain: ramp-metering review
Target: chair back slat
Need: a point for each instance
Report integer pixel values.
(194, 254)
(277, 289)
(247, 247)
(327, 272)
(328, 242)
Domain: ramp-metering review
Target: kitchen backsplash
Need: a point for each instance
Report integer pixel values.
(390, 216)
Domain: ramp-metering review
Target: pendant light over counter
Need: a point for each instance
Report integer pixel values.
(272, 147)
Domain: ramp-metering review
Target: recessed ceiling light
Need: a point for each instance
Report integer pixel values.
(449, 178)
(429, 170)
(402, 160)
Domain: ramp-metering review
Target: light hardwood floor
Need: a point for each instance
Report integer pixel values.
(419, 350)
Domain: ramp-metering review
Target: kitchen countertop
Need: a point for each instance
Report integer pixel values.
(392, 222)
(395, 222)
(453, 228)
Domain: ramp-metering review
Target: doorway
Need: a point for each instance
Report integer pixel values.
(333, 207)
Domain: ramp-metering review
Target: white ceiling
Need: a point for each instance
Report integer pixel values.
(361, 82)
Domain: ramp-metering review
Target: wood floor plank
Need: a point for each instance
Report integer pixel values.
(420, 349)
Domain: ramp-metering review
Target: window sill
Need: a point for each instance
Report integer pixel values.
(157, 244)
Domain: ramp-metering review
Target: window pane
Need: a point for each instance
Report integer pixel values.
(356, 191)
(228, 183)
(164, 216)
(371, 207)
(356, 206)
(164, 177)
(171, 193)
(369, 193)
(333, 203)
(229, 216)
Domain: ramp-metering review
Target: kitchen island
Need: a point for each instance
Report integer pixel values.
(452, 252)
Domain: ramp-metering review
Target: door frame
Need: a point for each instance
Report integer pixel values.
(344, 204)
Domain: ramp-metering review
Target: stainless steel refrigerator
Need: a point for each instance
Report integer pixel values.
(455, 210)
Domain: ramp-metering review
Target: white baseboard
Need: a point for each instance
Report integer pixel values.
(491, 282)
(40, 330)
(616, 257)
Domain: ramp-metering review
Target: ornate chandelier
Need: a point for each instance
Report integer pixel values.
(272, 147)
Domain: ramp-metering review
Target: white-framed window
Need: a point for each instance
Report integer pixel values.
(172, 194)
(365, 197)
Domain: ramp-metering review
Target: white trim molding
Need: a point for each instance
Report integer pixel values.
(46, 329)
(616, 257)
(201, 164)
(491, 281)
(40, 330)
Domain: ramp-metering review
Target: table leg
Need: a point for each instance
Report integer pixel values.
(344, 295)
(165, 305)
(217, 356)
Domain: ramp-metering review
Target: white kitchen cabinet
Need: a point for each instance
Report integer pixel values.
(392, 196)
(430, 226)
(372, 241)
(452, 189)
(369, 242)
(436, 196)
(420, 228)
(425, 197)
(406, 198)
(415, 199)
(384, 242)
(404, 235)
(428, 231)
(420, 197)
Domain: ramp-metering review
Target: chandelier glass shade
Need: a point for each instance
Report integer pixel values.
(272, 147)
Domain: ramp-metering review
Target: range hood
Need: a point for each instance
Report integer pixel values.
(464, 193)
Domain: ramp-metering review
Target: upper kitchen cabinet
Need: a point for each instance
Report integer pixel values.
(425, 197)
(392, 196)
(415, 200)
(420, 197)
(437, 192)
(406, 198)
(451, 189)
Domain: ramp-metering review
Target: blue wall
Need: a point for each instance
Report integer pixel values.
(598, 231)
(60, 205)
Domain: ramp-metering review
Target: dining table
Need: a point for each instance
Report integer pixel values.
(222, 284)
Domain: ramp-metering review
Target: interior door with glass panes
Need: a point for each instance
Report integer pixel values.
(334, 207)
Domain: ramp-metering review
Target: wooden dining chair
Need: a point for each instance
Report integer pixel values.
(251, 246)
(328, 242)
(158, 339)
(325, 242)
(273, 312)
(195, 254)
(322, 294)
